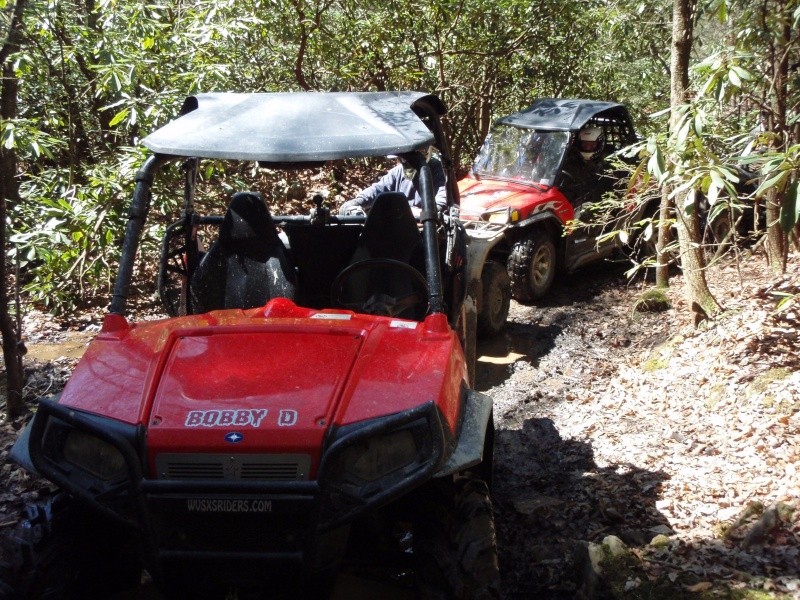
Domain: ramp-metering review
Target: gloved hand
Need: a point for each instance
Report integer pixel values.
(351, 208)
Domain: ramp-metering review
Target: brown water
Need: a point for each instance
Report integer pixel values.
(72, 346)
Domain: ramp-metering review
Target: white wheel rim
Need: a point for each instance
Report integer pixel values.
(541, 265)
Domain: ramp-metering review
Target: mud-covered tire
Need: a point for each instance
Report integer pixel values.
(495, 300)
(61, 550)
(532, 266)
(455, 547)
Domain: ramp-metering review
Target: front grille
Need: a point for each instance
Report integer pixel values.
(288, 470)
(191, 470)
(252, 467)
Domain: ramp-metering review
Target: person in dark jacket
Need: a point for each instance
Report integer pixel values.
(583, 172)
(401, 178)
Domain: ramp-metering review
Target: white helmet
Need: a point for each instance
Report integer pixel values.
(590, 142)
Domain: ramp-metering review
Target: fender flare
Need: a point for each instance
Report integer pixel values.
(20, 453)
(472, 439)
(543, 219)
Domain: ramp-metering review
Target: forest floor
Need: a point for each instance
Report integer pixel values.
(681, 441)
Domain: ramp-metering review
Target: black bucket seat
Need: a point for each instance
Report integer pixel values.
(247, 265)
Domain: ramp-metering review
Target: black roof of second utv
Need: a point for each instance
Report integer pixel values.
(564, 114)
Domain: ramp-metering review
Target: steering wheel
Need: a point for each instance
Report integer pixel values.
(378, 302)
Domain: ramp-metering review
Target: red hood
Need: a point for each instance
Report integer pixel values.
(279, 376)
(480, 196)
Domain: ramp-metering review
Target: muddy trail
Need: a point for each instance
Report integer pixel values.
(609, 422)
(550, 495)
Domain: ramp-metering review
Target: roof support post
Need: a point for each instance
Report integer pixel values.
(137, 215)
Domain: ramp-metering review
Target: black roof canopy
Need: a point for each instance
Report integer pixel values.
(295, 127)
(564, 114)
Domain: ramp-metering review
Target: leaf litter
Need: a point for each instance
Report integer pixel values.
(641, 426)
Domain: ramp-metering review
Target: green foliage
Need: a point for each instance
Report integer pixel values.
(29, 140)
(785, 302)
(691, 159)
(790, 209)
(67, 236)
(724, 75)
(780, 172)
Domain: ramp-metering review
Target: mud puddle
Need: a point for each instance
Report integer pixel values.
(73, 345)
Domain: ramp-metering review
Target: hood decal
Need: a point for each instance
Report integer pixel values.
(241, 417)
(490, 195)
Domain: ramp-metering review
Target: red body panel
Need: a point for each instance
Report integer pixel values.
(479, 196)
(399, 369)
(278, 375)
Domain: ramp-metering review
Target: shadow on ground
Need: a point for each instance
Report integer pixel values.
(551, 498)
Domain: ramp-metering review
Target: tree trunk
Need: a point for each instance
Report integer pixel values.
(777, 246)
(664, 238)
(9, 193)
(698, 295)
(11, 355)
(693, 263)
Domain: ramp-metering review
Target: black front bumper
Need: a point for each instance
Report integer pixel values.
(249, 523)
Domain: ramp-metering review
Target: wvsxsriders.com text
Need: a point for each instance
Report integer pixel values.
(220, 505)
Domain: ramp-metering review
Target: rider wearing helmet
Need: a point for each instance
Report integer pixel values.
(583, 166)
(591, 142)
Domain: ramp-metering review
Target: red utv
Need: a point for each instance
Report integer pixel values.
(309, 397)
(538, 170)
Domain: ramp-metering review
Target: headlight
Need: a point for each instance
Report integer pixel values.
(88, 460)
(379, 457)
(372, 463)
(90, 456)
(501, 217)
(93, 455)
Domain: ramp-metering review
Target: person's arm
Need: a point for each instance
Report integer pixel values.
(387, 183)
(366, 197)
(439, 184)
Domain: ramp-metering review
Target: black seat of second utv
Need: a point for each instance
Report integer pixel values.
(248, 264)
